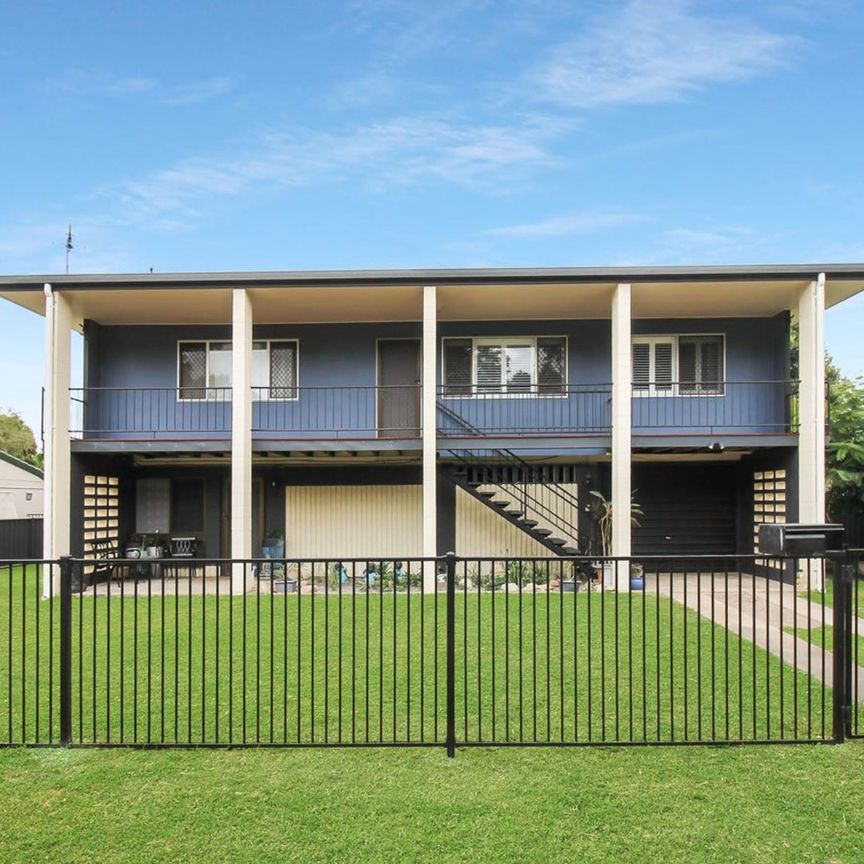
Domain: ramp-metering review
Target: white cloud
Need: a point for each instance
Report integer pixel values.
(653, 51)
(396, 152)
(569, 224)
(200, 91)
(86, 83)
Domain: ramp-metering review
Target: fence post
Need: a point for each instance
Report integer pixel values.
(65, 649)
(451, 654)
(842, 647)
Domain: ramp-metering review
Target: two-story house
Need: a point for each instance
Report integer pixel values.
(407, 413)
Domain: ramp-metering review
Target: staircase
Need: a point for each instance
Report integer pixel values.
(519, 493)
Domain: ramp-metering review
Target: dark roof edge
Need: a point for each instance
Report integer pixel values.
(20, 463)
(498, 275)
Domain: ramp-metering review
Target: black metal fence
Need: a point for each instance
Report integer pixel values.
(441, 652)
(20, 538)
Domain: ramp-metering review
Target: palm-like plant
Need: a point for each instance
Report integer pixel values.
(601, 510)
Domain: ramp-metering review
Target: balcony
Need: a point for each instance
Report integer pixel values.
(278, 413)
(150, 413)
(530, 410)
(730, 407)
(385, 411)
(337, 413)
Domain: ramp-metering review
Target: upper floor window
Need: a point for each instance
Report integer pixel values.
(512, 364)
(204, 369)
(682, 365)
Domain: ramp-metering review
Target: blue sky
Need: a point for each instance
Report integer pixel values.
(395, 133)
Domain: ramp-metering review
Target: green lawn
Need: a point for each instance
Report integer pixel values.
(828, 596)
(824, 637)
(745, 805)
(372, 668)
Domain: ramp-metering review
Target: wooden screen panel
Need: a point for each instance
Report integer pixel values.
(101, 514)
(769, 503)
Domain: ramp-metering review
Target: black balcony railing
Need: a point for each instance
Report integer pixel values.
(394, 411)
(150, 412)
(526, 410)
(758, 407)
(384, 411)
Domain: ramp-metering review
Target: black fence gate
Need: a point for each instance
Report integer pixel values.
(445, 652)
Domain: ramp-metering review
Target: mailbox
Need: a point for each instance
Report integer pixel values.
(794, 540)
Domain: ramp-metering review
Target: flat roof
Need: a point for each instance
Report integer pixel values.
(445, 276)
(327, 296)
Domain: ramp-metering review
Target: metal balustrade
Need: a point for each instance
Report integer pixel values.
(304, 412)
(767, 407)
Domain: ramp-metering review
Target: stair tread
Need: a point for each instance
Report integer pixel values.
(543, 532)
(528, 523)
(558, 541)
(569, 550)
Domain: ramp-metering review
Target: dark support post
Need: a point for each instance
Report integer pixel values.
(842, 647)
(65, 650)
(451, 654)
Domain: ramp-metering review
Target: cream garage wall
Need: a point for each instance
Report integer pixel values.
(373, 522)
(342, 522)
(480, 531)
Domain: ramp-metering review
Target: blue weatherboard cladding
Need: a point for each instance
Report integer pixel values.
(344, 355)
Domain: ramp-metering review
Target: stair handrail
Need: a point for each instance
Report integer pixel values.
(562, 493)
(531, 502)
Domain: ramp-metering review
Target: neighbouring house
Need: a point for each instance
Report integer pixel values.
(20, 488)
(413, 412)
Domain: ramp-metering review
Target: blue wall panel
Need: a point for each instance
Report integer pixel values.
(344, 356)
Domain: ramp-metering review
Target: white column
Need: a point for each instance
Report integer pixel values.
(621, 432)
(57, 452)
(241, 434)
(430, 449)
(811, 406)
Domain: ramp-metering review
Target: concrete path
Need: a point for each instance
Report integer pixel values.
(775, 607)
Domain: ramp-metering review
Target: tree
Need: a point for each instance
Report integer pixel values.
(16, 437)
(845, 456)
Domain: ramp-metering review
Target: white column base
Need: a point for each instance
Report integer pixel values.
(622, 576)
(811, 576)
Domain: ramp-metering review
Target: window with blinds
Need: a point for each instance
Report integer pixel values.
(204, 370)
(700, 364)
(653, 365)
(458, 361)
(193, 370)
(678, 365)
(551, 365)
(283, 370)
(509, 365)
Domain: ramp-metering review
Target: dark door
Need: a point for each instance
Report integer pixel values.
(687, 509)
(399, 388)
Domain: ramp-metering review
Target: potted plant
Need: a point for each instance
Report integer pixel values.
(285, 580)
(274, 544)
(602, 511)
(569, 584)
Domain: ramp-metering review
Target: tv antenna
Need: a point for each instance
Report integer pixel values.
(69, 247)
